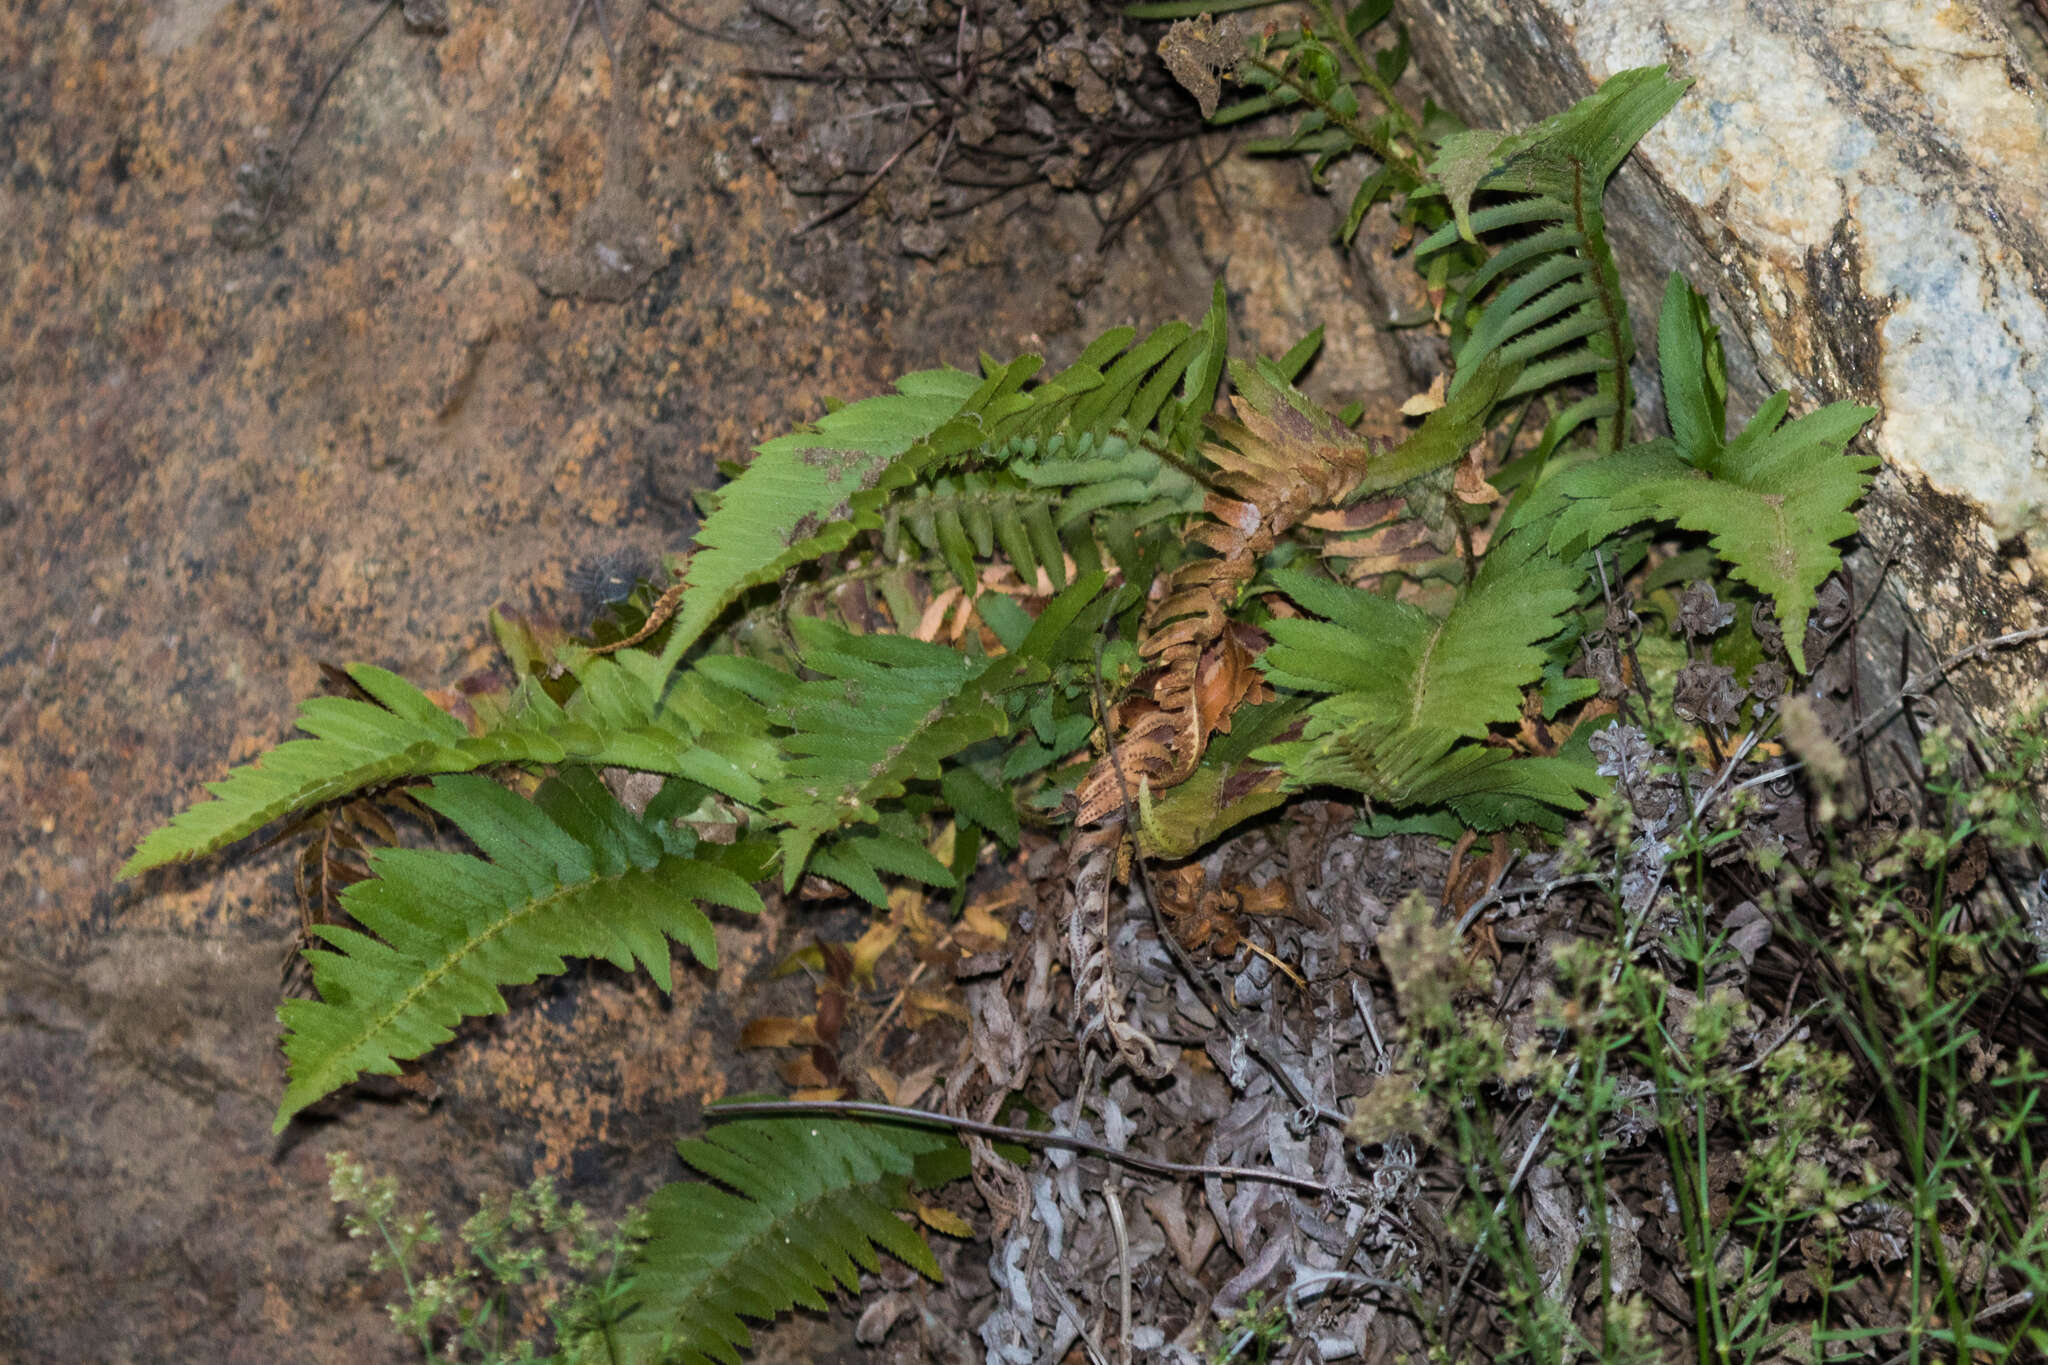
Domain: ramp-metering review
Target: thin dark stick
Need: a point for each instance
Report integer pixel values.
(700, 30)
(868, 186)
(1912, 690)
(1856, 680)
(772, 17)
(824, 77)
(604, 31)
(348, 55)
(568, 45)
(1030, 1138)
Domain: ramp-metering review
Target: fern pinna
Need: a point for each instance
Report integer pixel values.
(992, 598)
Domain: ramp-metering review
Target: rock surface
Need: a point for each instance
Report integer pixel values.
(1863, 192)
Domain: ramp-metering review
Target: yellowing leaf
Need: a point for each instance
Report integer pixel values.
(976, 919)
(944, 1220)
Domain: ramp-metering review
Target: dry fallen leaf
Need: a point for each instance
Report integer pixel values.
(1470, 482)
(1428, 401)
(778, 1031)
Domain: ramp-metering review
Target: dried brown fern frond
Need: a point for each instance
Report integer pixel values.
(1280, 464)
(1282, 459)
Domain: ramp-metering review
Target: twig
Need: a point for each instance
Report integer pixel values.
(1487, 896)
(1911, 691)
(1028, 1137)
(568, 46)
(1999, 1309)
(867, 186)
(284, 162)
(1066, 1305)
(701, 31)
(1123, 1268)
(1915, 686)
(1635, 927)
(1541, 890)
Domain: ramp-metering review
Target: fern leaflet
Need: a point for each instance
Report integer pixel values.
(1774, 500)
(808, 1202)
(615, 717)
(570, 873)
(1406, 690)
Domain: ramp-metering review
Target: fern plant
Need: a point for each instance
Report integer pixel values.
(790, 1209)
(990, 598)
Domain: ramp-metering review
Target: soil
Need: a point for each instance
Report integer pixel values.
(493, 327)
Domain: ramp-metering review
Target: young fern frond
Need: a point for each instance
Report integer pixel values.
(808, 1201)
(1548, 303)
(615, 717)
(1774, 500)
(571, 873)
(1406, 693)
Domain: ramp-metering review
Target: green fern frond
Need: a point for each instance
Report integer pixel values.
(1156, 391)
(616, 717)
(1773, 501)
(569, 874)
(807, 1203)
(807, 494)
(885, 711)
(1553, 308)
(355, 744)
(1037, 502)
(1349, 746)
(1407, 691)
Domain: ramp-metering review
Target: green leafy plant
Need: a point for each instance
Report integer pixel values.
(990, 599)
(1549, 299)
(1409, 693)
(569, 872)
(1775, 499)
(808, 1203)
